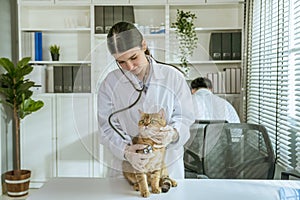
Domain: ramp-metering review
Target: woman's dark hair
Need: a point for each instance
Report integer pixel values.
(201, 82)
(123, 36)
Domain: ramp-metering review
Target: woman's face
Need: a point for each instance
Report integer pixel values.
(133, 60)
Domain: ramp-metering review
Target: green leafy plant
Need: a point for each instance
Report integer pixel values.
(54, 49)
(186, 34)
(15, 92)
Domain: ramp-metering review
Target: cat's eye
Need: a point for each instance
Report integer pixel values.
(154, 121)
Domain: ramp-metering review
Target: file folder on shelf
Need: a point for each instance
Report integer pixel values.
(58, 79)
(226, 46)
(236, 45)
(38, 46)
(118, 14)
(77, 78)
(108, 18)
(215, 48)
(99, 19)
(67, 79)
(86, 79)
(128, 14)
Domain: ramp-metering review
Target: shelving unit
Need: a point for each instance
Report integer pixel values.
(73, 28)
(70, 29)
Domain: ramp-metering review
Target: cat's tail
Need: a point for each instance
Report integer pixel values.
(166, 183)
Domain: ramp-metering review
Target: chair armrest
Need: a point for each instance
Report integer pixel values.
(285, 175)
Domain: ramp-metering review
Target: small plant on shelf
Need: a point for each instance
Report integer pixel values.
(187, 36)
(54, 50)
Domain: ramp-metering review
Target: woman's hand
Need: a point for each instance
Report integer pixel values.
(137, 160)
(164, 136)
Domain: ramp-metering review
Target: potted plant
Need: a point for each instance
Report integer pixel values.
(187, 36)
(54, 50)
(16, 94)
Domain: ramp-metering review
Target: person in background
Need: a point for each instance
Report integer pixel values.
(209, 106)
(152, 86)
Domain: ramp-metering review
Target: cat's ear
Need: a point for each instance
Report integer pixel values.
(141, 112)
(162, 113)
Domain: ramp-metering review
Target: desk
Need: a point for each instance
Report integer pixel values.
(189, 189)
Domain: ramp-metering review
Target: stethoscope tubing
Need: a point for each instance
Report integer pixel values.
(140, 91)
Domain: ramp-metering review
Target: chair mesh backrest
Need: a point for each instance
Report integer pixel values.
(230, 150)
(194, 146)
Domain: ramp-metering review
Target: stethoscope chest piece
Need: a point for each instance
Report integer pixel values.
(148, 149)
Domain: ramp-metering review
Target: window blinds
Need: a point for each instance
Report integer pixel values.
(273, 75)
(295, 77)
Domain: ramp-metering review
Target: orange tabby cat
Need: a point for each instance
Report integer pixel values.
(156, 176)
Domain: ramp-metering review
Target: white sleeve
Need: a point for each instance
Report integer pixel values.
(231, 114)
(107, 136)
(183, 115)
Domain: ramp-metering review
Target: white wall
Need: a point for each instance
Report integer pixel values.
(5, 51)
(5, 35)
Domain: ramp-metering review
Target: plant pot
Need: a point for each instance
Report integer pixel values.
(55, 57)
(17, 184)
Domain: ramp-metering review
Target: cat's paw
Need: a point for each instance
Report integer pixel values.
(156, 190)
(145, 194)
(136, 187)
(165, 188)
(174, 183)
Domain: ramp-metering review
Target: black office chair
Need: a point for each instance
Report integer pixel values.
(193, 149)
(290, 175)
(231, 151)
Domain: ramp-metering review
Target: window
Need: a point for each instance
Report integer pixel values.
(273, 75)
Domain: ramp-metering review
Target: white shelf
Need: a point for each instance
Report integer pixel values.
(209, 62)
(159, 35)
(84, 29)
(210, 29)
(60, 62)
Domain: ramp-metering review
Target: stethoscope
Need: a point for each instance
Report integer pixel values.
(139, 90)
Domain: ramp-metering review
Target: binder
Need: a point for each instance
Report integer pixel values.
(99, 19)
(77, 78)
(215, 48)
(233, 80)
(210, 77)
(58, 79)
(238, 80)
(128, 14)
(38, 46)
(118, 14)
(28, 45)
(227, 81)
(108, 18)
(226, 46)
(67, 79)
(215, 83)
(236, 40)
(86, 79)
(221, 82)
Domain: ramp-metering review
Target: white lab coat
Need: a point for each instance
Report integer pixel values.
(209, 106)
(167, 89)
